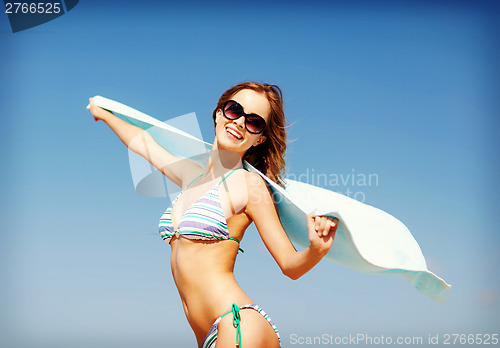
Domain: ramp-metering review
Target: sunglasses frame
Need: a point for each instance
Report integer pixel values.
(242, 114)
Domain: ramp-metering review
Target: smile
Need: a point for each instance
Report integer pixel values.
(233, 134)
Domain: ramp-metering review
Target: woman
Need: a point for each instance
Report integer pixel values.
(208, 219)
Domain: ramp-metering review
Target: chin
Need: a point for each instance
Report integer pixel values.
(226, 144)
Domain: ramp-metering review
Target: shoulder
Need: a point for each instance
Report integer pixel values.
(254, 178)
(255, 181)
(258, 191)
(242, 183)
(242, 176)
(260, 198)
(240, 180)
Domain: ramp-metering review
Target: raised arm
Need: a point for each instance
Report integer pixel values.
(293, 264)
(141, 142)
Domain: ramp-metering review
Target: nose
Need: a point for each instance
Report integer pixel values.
(240, 122)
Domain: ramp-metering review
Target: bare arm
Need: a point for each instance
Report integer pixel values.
(294, 264)
(142, 143)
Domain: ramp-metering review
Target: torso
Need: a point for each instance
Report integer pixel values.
(203, 269)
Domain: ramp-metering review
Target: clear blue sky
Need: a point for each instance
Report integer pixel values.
(406, 90)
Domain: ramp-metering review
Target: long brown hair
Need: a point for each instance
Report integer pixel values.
(269, 156)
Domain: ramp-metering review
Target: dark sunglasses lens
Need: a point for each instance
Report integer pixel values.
(255, 123)
(233, 110)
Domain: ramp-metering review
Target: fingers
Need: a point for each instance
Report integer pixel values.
(95, 110)
(317, 225)
(94, 113)
(323, 225)
(335, 224)
(310, 220)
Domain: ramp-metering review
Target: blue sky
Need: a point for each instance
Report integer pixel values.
(407, 91)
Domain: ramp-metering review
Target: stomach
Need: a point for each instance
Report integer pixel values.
(203, 273)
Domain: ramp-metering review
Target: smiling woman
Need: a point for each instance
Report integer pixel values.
(208, 219)
(269, 157)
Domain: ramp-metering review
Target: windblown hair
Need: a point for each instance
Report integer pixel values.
(269, 156)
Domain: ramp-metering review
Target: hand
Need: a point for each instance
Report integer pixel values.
(97, 112)
(321, 231)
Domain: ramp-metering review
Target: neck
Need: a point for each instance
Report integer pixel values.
(222, 161)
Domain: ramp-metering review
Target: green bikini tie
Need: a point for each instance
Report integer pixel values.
(236, 323)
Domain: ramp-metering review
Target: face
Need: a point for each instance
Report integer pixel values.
(232, 134)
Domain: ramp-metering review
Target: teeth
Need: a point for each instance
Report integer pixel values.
(234, 133)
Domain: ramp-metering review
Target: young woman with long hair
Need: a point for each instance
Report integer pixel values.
(208, 219)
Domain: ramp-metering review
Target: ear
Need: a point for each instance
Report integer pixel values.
(260, 140)
(218, 115)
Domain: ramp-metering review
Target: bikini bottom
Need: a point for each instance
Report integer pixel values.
(211, 338)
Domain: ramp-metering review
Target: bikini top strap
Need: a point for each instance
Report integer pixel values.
(193, 180)
(225, 176)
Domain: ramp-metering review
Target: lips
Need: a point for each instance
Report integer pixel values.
(233, 133)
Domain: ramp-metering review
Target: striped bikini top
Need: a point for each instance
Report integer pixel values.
(203, 220)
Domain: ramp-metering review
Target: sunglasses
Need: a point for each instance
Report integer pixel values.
(232, 110)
